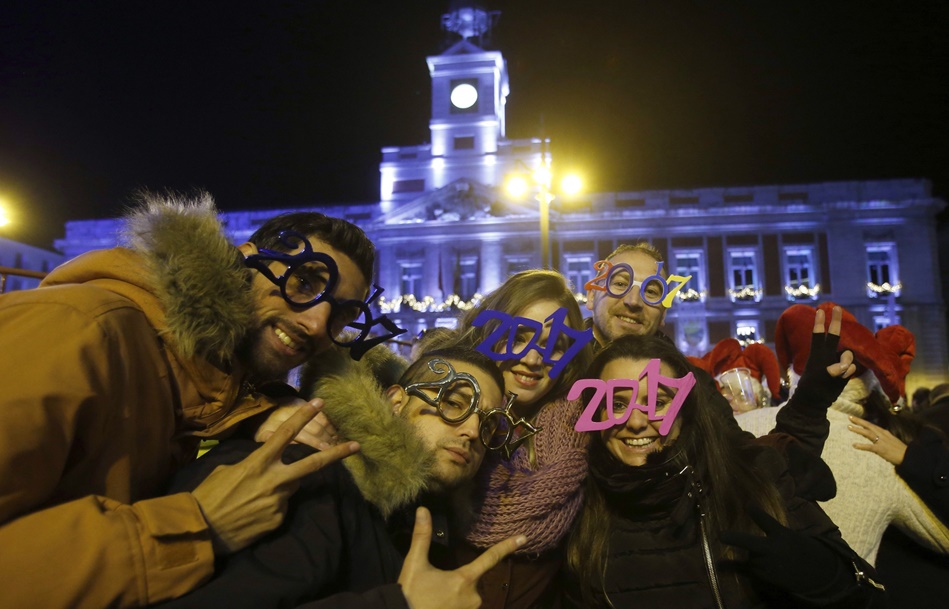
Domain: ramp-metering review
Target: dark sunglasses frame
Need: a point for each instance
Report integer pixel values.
(361, 342)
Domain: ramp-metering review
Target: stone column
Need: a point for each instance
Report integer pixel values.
(491, 263)
(430, 272)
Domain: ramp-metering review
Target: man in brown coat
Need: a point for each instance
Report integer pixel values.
(118, 365)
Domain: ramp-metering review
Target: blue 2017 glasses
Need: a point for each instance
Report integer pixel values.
(310, 279)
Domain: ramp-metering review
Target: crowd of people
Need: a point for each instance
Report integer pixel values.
(531, 457)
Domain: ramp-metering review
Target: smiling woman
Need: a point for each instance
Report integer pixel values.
(538, 490)
(668, 501)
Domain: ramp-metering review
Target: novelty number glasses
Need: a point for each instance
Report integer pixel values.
(658, 407)
(497, 428)
(310, 279)
(618, 279)
(516, 336)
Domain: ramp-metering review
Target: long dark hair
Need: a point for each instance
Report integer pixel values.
(902, 423)
(721, 459)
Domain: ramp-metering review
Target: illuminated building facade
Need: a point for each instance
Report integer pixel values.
(22, 257)
(446, 232)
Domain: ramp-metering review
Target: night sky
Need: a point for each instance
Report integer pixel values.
(271, 104)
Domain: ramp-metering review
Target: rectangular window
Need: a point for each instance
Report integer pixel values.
(747, 332)
(743, 270)
(464, 143)
(687, 263)
(743, 273)
(468, 277)
(411, 277)
(878, 267)
(408, 186)
(786, 197)
(882, 270)
(800, 279)
(799, 268)
(578, 269)
(516, 264)
(692, 335)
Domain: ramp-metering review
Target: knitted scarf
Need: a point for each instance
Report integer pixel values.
(541, 502)
(654, 490)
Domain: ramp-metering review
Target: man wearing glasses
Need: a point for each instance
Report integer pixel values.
(353, 536)
(626, 300)
(119, 364)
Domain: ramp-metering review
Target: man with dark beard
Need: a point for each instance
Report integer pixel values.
(123, 360)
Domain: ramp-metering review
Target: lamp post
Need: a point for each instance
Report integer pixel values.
(541, 178)
(544, 197)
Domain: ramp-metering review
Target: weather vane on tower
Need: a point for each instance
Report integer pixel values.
(469, 19)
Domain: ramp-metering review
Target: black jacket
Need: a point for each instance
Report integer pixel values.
(925, 468)
(333, 546)
(656, 557)
(348, 526)
(915, 576)
(807, 427)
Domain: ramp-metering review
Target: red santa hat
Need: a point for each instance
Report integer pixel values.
(728, 354)
(897, 339)
(763, 363)
(888, 358)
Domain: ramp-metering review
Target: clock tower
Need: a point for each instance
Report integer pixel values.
(469, 94)
(469, 87)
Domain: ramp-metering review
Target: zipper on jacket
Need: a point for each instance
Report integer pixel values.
(710, 563)
(697, 493)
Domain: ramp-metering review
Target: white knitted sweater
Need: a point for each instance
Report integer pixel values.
(870, 494)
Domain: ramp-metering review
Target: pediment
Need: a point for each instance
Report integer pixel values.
(463, 47)
(463, 200)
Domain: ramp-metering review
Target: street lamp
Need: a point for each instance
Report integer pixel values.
(518, 185)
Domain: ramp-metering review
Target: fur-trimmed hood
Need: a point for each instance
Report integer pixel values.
(194, 288)
(392, 467)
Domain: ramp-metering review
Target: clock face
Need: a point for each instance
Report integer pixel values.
(464, 96)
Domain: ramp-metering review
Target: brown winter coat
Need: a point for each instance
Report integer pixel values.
(108, 381)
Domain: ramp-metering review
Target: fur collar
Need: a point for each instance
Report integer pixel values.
(392, 466)
(195, 272)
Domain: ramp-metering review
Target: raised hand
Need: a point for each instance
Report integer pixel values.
(426, 587)
(319, 433)
(826, 371)
(244, 501)
(882, 442)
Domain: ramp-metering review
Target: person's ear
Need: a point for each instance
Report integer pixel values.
(591, 295)
(248, 249)
(397, 397)
(662, 317)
